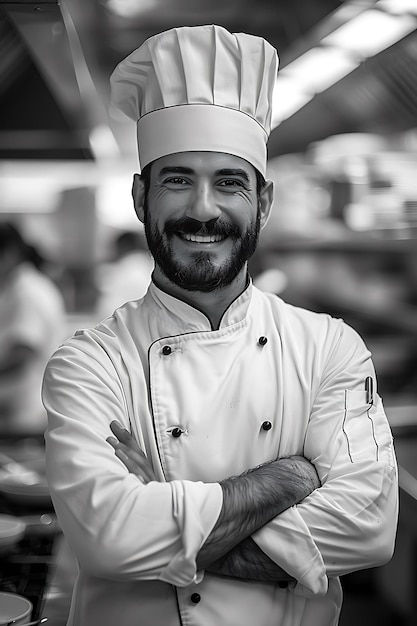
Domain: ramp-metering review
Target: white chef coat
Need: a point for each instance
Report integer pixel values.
(156, 365)
(32, 314)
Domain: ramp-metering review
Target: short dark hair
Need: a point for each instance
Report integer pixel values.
(260, 181)
(12, 239)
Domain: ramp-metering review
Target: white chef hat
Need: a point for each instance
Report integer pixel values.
(199, 88)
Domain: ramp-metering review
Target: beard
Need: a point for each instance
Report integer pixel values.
(201, 274)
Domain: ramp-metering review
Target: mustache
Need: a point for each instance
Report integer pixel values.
(216, 226)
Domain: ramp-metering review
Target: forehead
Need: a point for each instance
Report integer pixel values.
(203, 163)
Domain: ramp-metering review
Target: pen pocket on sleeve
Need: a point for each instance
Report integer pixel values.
(359, 427)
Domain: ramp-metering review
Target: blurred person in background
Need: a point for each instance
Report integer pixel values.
(127, 277)
(31, 328)
(250, 462)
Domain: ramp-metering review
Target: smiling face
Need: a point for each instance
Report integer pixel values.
(202, 215)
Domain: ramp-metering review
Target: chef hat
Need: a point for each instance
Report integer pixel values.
(199, 88)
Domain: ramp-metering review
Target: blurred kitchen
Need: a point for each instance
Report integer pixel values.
(342, 237)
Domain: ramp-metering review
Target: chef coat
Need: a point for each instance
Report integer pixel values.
(32, 314)
(204, 404)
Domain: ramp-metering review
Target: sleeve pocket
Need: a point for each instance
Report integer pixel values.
(366, 429)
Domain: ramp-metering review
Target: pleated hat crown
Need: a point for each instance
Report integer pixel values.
(199, 88)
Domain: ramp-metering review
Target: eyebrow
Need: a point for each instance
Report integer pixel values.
(233, 172)
(171, 169)
(174, 169)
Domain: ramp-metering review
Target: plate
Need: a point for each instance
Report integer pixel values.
(12, 530)
(14, 609)
(29, 488)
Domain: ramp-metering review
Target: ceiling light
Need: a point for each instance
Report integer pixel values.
(370, 32)
(130, 8)
(398, 7)
(288, 97)
(308, 75)
(339, 53)
(319, 68)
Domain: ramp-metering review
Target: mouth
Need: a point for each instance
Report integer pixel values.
(201, 238)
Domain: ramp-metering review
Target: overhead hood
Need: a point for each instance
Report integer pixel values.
(53, 94)
(43, 115)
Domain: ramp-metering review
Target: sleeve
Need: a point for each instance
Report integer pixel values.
(350, 522)
(118, 527)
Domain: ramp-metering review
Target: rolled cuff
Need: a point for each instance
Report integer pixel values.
(288, 542)
(194, 525)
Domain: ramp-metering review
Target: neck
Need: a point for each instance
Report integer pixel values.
(213, 303)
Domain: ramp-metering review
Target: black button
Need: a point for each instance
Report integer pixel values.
(262, 341)
(195, 598)
(176, 432)
(267, 425)
(166, 350)
(283, 584)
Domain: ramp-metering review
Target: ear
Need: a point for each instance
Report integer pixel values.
(266, 198)
(138, 195)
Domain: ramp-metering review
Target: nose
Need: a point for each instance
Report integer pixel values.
(202, 205)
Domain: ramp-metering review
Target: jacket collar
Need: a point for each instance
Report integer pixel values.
(189, 319)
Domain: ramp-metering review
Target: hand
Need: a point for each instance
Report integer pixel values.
(128, 451)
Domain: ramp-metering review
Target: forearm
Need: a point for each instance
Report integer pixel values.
(253, 499)
(249, 502)
(249, 562)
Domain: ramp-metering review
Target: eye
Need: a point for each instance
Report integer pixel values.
(231, 183)
(176, 181)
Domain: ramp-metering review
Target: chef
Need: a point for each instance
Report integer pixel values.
(215, 455)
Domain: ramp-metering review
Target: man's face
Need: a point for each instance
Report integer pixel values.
(201, 218)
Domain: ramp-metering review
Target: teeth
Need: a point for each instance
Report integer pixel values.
(202, 238)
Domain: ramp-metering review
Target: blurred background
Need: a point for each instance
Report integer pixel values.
(342, 237)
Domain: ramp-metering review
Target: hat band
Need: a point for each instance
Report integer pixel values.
(201, 127)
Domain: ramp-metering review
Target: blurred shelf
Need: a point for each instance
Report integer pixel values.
(398, 317)
(347, 242)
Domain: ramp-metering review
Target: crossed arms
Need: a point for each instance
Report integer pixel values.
(348, 523)
(249, 502)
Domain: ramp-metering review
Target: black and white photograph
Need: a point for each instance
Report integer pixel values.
(208, 313)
